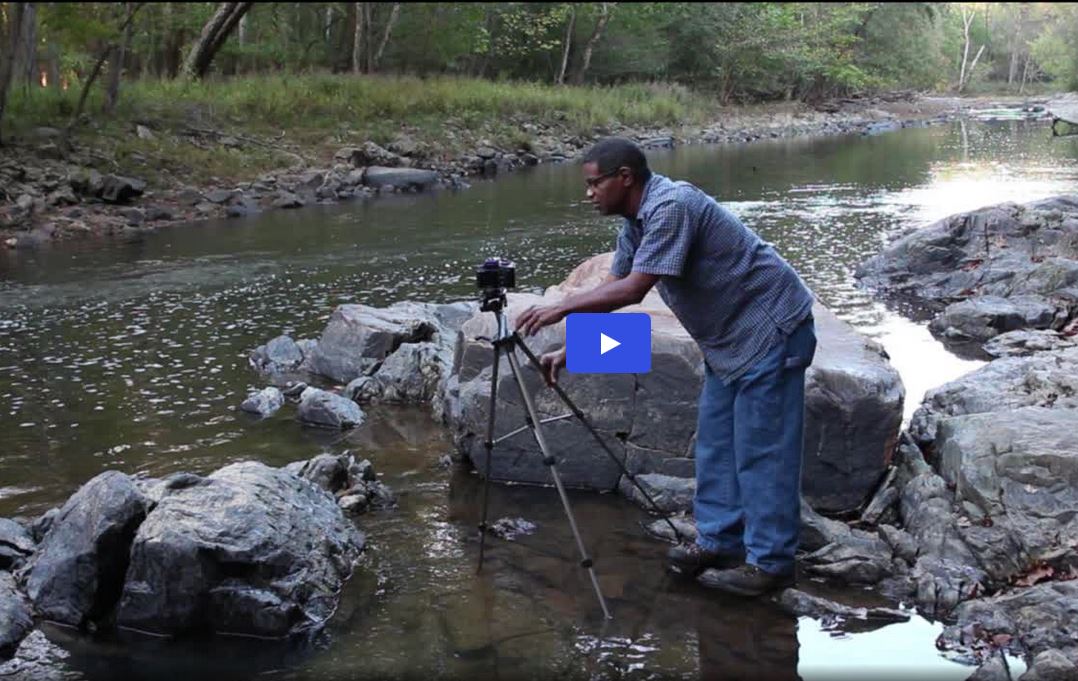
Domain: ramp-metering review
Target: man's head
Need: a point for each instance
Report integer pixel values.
(615, 172)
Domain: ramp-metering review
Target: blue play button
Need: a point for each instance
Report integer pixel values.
(610, 343)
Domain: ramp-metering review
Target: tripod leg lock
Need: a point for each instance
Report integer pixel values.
(587, 563)
(549, 461)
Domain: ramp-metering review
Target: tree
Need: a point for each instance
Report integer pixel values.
(106, 50)
(964, 73)
(213, 36)
(605, 12)
(394, 14)
(570, 25)
(8, 55)
(112, 92)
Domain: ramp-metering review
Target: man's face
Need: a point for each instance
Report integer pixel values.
(606, 191)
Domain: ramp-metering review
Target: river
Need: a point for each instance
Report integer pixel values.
(131, 355)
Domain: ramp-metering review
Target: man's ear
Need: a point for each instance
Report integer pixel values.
(627, 178)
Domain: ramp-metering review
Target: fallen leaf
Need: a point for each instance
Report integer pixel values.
(1038, 573)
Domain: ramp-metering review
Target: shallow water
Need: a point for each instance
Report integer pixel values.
(132, 355)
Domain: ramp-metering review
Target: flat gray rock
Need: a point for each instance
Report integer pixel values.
(1024, 343)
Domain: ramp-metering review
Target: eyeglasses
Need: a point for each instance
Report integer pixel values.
(593, 182)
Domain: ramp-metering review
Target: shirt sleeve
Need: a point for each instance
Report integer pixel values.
(667, 239)
(623, 254)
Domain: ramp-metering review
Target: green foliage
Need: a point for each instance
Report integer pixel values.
(731, 51)
(1057, 48)
(903, 45)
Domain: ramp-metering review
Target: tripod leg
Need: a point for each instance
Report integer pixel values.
(548, 459)
(488, 444)
(598, 438)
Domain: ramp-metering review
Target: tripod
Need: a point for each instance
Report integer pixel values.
(494, 300)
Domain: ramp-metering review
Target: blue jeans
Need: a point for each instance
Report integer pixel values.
(749, 442)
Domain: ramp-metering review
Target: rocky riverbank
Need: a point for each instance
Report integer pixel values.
(47, 194)
(988, 472)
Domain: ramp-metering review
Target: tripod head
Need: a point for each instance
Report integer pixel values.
(494, 277)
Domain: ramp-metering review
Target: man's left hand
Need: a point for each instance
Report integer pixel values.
(538, 316)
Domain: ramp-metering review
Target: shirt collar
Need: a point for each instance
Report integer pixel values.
(644, 197)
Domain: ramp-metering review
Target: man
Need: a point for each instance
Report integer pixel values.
(751, 315)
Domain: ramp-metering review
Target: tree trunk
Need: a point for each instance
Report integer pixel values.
(213, 36)
(112, 92)
(1025, 73)
(393, 15)
(26, 71)
(605, 11)
(109, 49)
(7, 55)
(567, 43)
(368, 32)
(969, 71)
(357, 40)
(52, 77)
(967, 19)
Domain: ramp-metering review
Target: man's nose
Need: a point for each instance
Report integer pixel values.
(589, 192)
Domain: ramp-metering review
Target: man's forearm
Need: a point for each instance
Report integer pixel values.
(612, 294)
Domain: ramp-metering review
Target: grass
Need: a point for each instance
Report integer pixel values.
(316, 114)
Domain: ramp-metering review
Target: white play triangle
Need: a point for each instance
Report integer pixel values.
(606, 343)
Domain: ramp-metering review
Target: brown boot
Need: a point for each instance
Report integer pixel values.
(746, 580)
(691, 559)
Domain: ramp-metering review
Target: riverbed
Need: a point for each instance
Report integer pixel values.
(131, 354)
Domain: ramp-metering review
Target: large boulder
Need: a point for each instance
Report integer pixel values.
(1001, 250)
(853, 405)
(77, 573)
(1025, 253)
(247, 550)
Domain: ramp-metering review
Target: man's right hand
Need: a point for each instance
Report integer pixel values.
(552, 363)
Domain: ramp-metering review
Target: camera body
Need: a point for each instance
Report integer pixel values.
(496, 273)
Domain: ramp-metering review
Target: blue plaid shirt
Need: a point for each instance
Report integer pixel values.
(731, 290)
